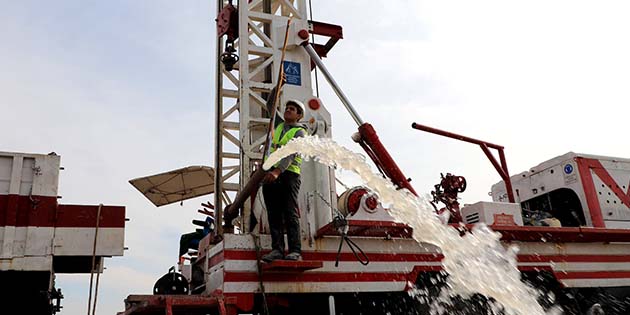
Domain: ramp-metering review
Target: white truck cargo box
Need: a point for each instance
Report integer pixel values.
(578, 189)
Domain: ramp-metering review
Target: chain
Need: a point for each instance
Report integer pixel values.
(324, 200)
(334, 209)
(342, 184)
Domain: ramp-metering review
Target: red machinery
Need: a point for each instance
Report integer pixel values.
(446, 192)
(381, 262)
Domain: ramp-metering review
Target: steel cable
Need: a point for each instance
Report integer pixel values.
(98, 219)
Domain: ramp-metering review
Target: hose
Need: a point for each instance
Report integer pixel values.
(342, 226)
(260, 272)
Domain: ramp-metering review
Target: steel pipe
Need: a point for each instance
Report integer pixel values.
(344, 99)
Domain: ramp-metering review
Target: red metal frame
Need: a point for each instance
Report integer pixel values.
(150, 304)
(501, 168)
(585, 166)
(335, 32)
(369, 229)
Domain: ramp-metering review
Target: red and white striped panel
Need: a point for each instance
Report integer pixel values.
(580, 264)
(34, 228)
(394, 263)
(28, 192)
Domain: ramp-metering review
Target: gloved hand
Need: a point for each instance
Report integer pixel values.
(271, 176)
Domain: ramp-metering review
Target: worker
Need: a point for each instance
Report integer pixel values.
(191, 240)
(282, 185)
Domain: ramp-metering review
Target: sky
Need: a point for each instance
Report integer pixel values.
(123, 89)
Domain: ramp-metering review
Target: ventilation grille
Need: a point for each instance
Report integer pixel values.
(472, 218)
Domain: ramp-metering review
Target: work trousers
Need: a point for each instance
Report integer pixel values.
(281, 200)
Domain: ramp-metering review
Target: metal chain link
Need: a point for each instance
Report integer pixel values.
(341, 224)
(334, 209)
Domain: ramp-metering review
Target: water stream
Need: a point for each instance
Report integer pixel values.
(475, 263)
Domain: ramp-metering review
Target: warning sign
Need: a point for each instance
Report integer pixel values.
(503, 219)
(570, 175)
(293, 72)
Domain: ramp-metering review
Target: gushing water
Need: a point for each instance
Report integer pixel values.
(476, 262)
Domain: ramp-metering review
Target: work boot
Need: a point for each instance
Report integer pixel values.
(293, 256)
(273, 255)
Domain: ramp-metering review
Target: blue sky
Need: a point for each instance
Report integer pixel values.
(122, 89)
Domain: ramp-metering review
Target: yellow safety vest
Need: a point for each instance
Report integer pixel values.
(277, 143)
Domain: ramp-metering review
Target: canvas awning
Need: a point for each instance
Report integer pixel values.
(177, 185)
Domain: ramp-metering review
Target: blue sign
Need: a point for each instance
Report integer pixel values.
(293, 72)
(568, 169)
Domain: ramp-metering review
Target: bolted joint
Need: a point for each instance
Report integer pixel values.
(371, 202)
(303, 34)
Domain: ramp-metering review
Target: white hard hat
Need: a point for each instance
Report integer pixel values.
(296, 102)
